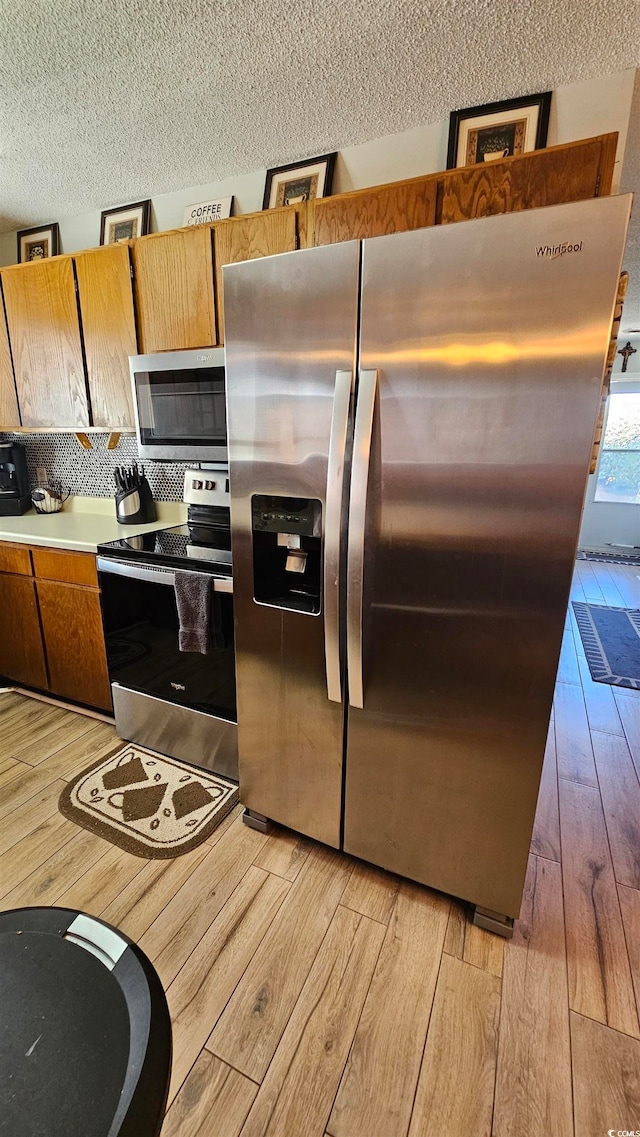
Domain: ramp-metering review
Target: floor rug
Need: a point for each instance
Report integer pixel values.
(611, 641)
(147, 804)
(609, 558)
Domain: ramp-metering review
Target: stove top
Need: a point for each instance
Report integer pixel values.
(174, 548)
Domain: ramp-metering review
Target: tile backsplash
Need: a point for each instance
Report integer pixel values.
(90, 472)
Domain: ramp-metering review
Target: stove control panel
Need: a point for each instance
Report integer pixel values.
(209, 486)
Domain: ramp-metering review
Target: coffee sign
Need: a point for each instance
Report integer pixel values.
(205, 211)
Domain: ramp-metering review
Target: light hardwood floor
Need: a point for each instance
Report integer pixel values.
(312, 995)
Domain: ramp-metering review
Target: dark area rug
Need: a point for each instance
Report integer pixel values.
(609, 558)
(611, 641)
(146, 803)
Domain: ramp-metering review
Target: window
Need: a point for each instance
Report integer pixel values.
(619, 469)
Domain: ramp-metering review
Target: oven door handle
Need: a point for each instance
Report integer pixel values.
(155, 575)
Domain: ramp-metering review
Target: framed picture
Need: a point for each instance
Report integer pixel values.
(125, 222)
(498, 130)
(38, 243)
(286, 185)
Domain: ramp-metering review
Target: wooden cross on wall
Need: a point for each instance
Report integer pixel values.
(626, 352)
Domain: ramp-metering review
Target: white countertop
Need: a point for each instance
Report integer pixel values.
(83, 524)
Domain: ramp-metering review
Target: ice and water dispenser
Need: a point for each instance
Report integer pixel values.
(287, 547)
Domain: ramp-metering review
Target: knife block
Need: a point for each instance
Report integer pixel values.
(136, 506)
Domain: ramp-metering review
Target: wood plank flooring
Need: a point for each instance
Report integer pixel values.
(313, 995)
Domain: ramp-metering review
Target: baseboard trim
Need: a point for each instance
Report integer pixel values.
(90, 714)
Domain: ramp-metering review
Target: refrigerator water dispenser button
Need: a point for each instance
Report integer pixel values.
(287, 546)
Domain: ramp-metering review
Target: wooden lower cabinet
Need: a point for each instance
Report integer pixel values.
(72, 630)
(51, 633)
(21, 651)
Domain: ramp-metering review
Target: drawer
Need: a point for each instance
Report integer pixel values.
(70, 568)
(15, 558)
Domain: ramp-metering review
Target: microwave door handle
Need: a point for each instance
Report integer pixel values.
(332, 530)
(154, 575)
(367, 388)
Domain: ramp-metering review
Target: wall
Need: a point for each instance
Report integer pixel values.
(613, 523)
(579, 110)
(630, 183)
(90, 472)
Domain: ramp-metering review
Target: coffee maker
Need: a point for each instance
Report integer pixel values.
(14, 480)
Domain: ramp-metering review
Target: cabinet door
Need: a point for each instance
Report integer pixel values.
(245, 238)
(63, 566)
(109, 329)
(74, 643)
(44, 330)
(576, 172)
(9, 414)
(21, 652)
(174, 289)
(375, 212)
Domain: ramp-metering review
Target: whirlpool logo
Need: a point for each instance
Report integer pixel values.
(555, 251)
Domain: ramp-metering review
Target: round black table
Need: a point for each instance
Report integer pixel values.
(85, 1032)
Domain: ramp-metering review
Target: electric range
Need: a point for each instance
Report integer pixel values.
(178, 703)
(174, 548)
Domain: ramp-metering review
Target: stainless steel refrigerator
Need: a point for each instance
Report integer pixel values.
(411, 420)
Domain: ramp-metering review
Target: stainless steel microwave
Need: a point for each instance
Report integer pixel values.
(179, 403)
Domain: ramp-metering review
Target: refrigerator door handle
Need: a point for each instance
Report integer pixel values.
(367, 388)
(332, 528)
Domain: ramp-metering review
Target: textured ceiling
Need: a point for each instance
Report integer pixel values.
(106, 101)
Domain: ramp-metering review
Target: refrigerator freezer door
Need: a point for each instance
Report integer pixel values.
(290, 327)
(489, 339)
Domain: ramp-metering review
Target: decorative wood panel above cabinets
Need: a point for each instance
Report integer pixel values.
(575, 172)
(9, 413)
(174, 289)
(44, 330)
(392, 208)
(245, 238)
(109, 328)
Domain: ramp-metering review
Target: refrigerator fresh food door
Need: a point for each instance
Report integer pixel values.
(290, 326)
(482, 355)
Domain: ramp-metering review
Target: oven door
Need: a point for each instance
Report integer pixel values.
(141, 633)
(180, 405)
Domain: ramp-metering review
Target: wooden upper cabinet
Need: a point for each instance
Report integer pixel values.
(573, 172)
(44, 330)
(375, 212)
(248, 237)
(173, 275)
(108, 324)
(9, 413)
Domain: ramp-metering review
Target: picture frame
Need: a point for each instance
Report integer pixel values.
(38, 243)
(299, 181)
(125, 222)
(498, 130)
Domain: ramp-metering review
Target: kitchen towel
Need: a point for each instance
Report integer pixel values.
(193, 598)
